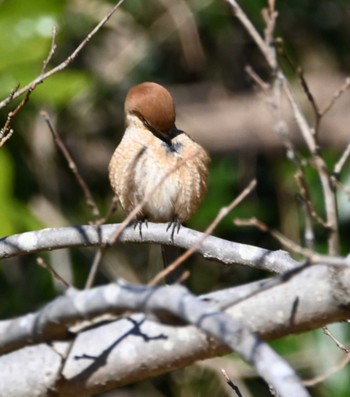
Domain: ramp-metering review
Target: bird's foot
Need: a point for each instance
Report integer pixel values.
(138, 223)
(174, 225)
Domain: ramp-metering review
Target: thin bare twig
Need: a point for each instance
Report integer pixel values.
(336, 96)
(310, 136)
(72, 166)
(6, 127)
(318, 112)
(335, 340)
(311, 255)
(63, 64)
(305, 86)
(13, 91)
(222, 213)
(281, 238)
(305, 196)
(270, 16)
(231, 384)
(267, 51)
(265, 87)
(299, 118)
(311, 98)
(94, 267)
(281, 129)
(40, 261)
(321, 167)
(111, 210)
(6, 131)
(51, 52)
(321, 378)
(90, 201)
(101, 250)
(5, 136)
(341, 162)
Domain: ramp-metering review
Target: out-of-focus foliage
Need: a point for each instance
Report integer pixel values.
(14, 214)
(145, 41)
(25, 32)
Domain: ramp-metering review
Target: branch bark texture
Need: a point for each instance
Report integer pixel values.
(212, 248)
(137, 346)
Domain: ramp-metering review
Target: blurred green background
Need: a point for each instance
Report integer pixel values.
(199, 51)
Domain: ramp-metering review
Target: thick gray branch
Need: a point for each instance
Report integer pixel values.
(176, 300)
(212, 248)
(134, 348)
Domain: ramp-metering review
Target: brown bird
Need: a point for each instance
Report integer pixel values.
(156, 160)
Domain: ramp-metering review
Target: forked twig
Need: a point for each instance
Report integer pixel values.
(6, 131)
(305, 86)
(318, 112)
(270, 16)
(51, 52)
(321, 167)
(5, 135)
(281, 238)
(63, 64)
(311, 255)
(335, 340)
(265, 87)
(269, 53)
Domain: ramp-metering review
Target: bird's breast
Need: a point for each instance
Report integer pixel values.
(157, 178)
(172, 178)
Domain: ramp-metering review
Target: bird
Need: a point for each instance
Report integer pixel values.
(157, 161)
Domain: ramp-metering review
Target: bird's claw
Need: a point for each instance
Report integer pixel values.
(174, 225)
(139, 223)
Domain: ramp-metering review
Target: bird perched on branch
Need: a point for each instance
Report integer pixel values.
(157, 163)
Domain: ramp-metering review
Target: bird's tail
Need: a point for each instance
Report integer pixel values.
(170, 254)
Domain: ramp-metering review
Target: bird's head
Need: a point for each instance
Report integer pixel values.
(153, 105)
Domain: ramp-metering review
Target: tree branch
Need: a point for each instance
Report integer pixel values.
(212, 248)
(62, 65)
(134, 348)
(269, 53)
(50, 322)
